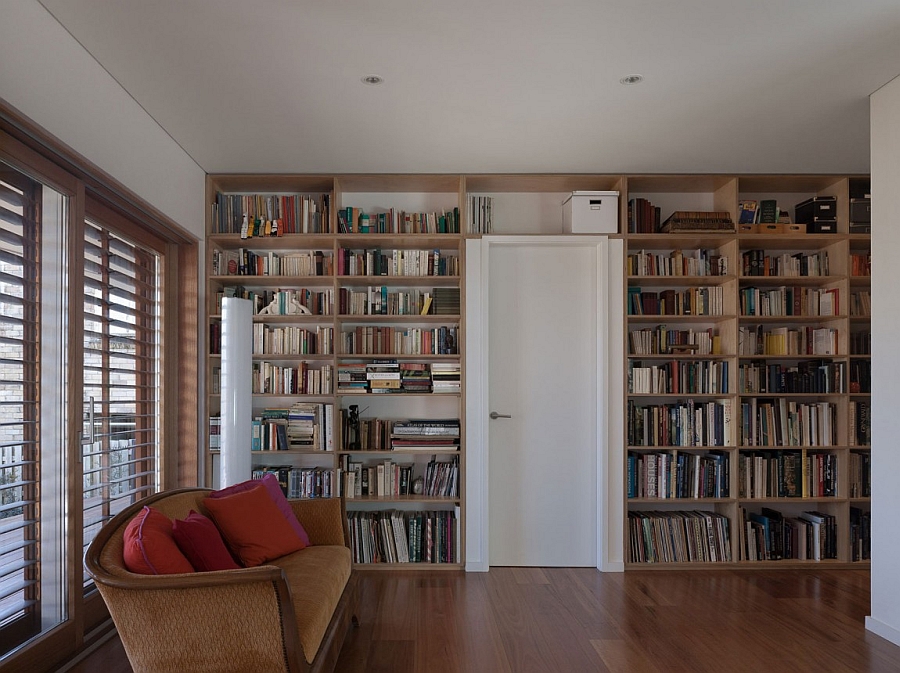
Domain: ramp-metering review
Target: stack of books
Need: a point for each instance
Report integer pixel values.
(353, 378)
(698, 220)
(310, 426)
(383, 376)
(445, 377)
(415, 377)
(435, 435)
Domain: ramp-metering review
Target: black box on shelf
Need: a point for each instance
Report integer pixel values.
(816, 208)
(822, 227)
(860, 228)
(860, 211)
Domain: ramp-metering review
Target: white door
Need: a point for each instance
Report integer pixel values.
(543, 350)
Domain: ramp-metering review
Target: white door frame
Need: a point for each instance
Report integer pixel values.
(610, 416)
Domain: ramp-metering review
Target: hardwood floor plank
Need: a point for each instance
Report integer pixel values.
(621, 657)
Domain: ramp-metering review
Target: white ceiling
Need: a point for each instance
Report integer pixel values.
(769, 86)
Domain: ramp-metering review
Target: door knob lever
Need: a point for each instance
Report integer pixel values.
(495, 415)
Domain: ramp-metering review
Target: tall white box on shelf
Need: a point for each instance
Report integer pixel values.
(591, 213)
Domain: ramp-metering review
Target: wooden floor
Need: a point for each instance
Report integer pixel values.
(573, 620)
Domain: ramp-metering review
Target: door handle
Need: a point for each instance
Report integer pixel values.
(495, 416)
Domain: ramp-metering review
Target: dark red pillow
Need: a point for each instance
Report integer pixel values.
(275, 492)
(200, 541)
(253, 526)
(150, 548)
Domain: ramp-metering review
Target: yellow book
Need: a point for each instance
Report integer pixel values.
(426, 305)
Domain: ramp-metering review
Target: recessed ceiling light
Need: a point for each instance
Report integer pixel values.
(632, 79)
(372, 79)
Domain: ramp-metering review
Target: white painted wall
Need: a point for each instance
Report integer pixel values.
(49, 77)
(885, 134)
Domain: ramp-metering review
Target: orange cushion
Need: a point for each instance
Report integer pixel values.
(253, 526)
(150, 548)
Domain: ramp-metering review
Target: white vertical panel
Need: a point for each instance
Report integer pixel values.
(237, 410)
(885, 115)
(476, 413)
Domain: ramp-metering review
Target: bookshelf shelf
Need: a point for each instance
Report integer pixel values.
(678, 281)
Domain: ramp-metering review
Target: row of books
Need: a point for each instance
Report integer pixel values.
(292, 340)
(383, 340)
(703, 377)
(253, 215)
(267, 378)
(396, 263)
(860, 474)
(643, 217)
(304, 426)
(404, 537)
(244, 262)
(789, 301)
(481, 214)
(674, 474)
(697, 262)
(686, 423)
(781, 422)
(810, 376)
(809, 340)
(771, 536)
(861, 264)
(691, 301)
(302, 482)
(678, 537)
(789, 264)
(662, 339)
(861, 376)
(860, 422)
(787, 474)
(390, 479)
(861, 303)
(765, 211)
(382, 300)
(357, 221)
(861, 342)
(860, 534)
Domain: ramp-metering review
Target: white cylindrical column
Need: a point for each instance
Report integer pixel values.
(237, 410)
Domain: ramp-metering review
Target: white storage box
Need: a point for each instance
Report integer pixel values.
(591, 213)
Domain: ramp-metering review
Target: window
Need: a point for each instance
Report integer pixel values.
(95, 326)
(31, 483)
(121, 376)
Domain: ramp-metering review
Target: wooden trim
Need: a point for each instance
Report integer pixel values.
(24, 159)
(97, 182)
(182, 364)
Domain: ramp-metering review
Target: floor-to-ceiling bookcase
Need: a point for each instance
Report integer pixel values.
(723, 392)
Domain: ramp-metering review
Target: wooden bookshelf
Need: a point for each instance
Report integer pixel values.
(371, 193)
(527, 205)
(724, 193)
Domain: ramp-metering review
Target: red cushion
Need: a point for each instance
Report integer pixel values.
(253, 526)
(275, 492)
(202, 543)
(150, 548)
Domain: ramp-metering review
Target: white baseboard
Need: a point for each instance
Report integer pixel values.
(477, 567)
(879, 628)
